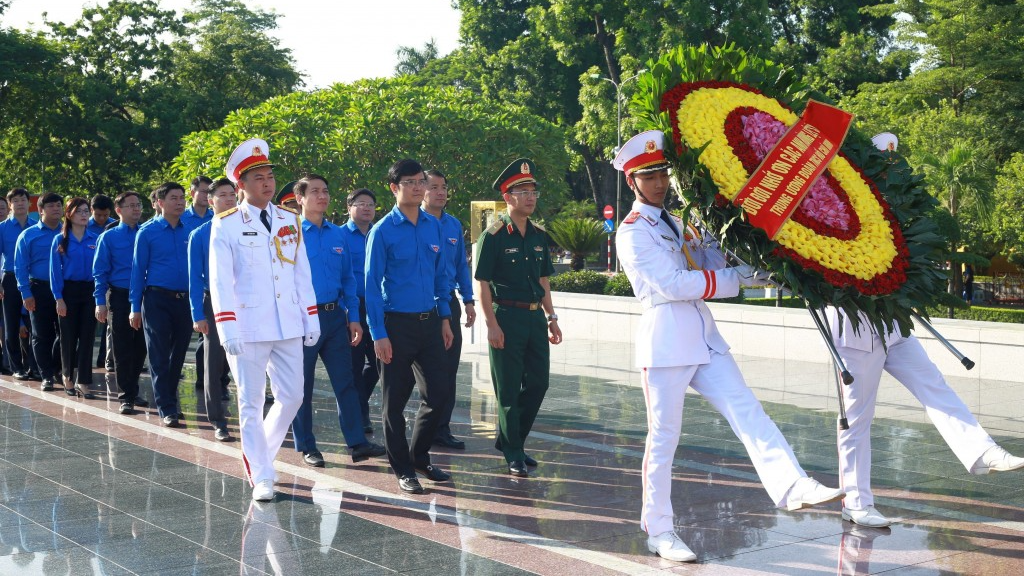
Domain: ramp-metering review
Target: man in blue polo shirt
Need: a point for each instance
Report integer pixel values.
(10, 229)
(408, 313)
(457, 269)
(159, 296)
(197, 214)
(338, 309)
(362, 206)
(32, 269)
(213, 363)
(112, 273)
(101, 206)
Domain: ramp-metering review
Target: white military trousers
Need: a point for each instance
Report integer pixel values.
(721, 384)
(909, 364)
(262, 437)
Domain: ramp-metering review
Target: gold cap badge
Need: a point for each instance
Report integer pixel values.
(524, 168)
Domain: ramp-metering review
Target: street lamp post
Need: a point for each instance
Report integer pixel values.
(618, 141)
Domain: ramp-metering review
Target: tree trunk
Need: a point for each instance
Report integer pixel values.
(579, 262)
(606, 42)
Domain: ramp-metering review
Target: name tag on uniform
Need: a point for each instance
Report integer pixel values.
(669, 238)
(248, 233)
(511, 250)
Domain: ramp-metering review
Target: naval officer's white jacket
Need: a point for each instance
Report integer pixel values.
(260, 282)
(676, 328)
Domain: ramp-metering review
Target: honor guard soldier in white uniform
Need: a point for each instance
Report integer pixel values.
(673, 271)
(264, 307)
(865, 357)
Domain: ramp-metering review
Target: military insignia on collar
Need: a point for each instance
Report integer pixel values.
(650, 219)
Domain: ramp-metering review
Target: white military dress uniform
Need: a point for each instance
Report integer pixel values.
(906, 360)
(261, 290)
(677, 346)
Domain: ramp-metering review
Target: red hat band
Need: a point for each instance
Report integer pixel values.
(644, 160)
(250, 162)
(517, 179)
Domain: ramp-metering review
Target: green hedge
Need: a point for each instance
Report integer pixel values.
(619, 285)
(982, 313)
(580, 282)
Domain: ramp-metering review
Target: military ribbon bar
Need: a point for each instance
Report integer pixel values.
(785, 175)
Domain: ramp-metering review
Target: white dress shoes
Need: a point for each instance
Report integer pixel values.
(995, 459)
(807, 492)
(263, 491)
(867, 517)
(670, 547)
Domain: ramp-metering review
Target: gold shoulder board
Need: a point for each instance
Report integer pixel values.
(496, 227)
(288, 209)
(228, 212)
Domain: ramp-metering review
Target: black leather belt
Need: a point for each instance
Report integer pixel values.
(413, 315)
(517, 304)
(38, 282)
(174, 293)
(116, 290)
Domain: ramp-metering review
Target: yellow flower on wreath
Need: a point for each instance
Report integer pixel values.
(702, 116)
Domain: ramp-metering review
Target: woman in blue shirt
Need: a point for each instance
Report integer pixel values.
(71, 282)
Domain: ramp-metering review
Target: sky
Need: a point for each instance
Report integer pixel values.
(331, 40)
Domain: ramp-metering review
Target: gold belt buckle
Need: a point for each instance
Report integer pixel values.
(534, 305)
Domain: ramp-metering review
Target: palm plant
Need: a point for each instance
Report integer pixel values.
(580, 236)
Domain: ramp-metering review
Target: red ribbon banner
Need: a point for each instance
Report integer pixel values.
(785, 175)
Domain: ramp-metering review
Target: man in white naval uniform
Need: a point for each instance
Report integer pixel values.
(677, 346)
(865, 357)
(264, 306)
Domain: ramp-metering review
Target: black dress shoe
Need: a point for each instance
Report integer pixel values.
(434, 473)
(141, 403)
(367, 450)
(529, 461)
(367, 429)
(410, 484)
(221, 434)
(314, 459)
(21, 375)
(47, 385)
(34, 376)
(518, 468)
(126, 408)
(450, 441)
(170, 422)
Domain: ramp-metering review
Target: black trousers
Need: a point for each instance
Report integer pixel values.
(452, 357)
(12, 323)
(45, 330)
(215, 368)
(128, 343)
(78, 331)
(413, 341)
(364, 365)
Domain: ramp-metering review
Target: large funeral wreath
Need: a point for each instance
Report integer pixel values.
(860, 240)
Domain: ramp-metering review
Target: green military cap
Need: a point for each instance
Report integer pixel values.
(520, 171)
(287, 193)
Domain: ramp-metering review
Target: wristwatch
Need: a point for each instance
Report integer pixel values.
(552, 317)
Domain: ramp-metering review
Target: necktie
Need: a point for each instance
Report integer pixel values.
(671, 224)
(265, 218)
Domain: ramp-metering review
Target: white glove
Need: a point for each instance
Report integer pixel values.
(310, 338)
(750, 276)
(235, 347)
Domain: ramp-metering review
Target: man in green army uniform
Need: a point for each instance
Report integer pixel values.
(512, 268)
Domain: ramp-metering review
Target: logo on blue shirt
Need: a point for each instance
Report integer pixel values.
(338, 249)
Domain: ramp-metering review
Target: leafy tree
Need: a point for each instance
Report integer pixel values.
(579, 236)
(1008, 218)
(352, 133)
(413, 61)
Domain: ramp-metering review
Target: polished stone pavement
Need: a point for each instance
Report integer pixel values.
(84, 490)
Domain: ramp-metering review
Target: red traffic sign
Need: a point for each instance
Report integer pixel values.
(609, 212)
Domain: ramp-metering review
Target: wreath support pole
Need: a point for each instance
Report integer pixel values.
(967, 362)
(838, 360)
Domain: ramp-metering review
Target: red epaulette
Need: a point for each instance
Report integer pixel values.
(632, 217)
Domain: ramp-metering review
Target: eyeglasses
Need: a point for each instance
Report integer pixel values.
(422, 182)
(363, 205)
(82, 212)
(130, 206)
(439, 189)
(527, 193)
